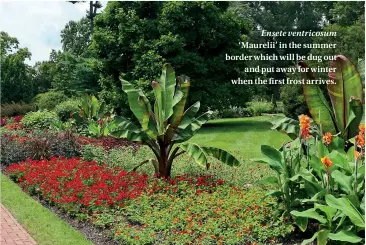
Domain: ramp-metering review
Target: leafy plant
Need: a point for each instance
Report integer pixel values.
(340, 220)
(39, 119)
(259, 107)
(168, 124)
(15, 109)
(346, 96)
(65, 109)
(48, 100)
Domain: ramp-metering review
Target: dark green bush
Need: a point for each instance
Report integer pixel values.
(293, 101)
(66, 108)
(15, 109)
(49, 99)
(39, 119)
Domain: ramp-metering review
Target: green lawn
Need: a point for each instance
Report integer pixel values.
(242, 135)
(44, 226)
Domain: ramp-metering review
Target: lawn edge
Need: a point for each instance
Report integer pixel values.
(45, 228)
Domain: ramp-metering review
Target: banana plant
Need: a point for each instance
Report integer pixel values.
(166, 126)
(90, 109)
(346, 94)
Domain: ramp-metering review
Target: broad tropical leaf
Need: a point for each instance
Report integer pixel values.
(347, 85)
(178, 110)
(345, 236)
(185, 134)
(189, 114)
(273, 157)
(286, 125)
(354, 118)
(200, 154)
(133, 100)
(347, 208)
(344, 181)
(167, 82)
(318, 105)
(310, 214)
(123, 128)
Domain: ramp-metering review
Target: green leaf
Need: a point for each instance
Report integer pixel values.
(311, 214)
(347, 85)
(329, 211)
(345, 236)
(322, 237)
(301, 222)
(133, 96)
(340, 160)
(185, 134)
(123, 128)
(322, 150)
(286, 125)
(158, 107)
(178, 110)
(344, 181)
(354, 118)
(337, 144)
(167, 81)
(310, 240)
(273, 158)
(189, 114)
(318, 105)
(347, 208)
(200, 154)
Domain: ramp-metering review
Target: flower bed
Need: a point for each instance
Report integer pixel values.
(141, 210)
(77, 184)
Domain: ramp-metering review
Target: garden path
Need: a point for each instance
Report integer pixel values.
(11, 232)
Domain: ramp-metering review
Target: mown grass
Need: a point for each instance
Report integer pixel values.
(44, 226)
(242, 135)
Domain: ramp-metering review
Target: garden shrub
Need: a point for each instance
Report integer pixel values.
(21, 145)
(259, 107)
(234, 112)
(49, 100)
(67, 108)
(15, 109)
(39, 119)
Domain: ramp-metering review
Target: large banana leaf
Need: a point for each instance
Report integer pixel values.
(138, 102)
(189, 114)
(347, 85)
(354, 118)
(318, 105)
(200, 154)
(185, 134)
(123, 128)
(167, 82)
(178, 110)
(286, 125)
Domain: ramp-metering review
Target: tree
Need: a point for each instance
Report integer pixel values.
(134, 39)
(75, 37)
(16, 75)
(73, 75)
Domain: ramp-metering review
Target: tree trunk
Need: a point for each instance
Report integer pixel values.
(164, 167)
